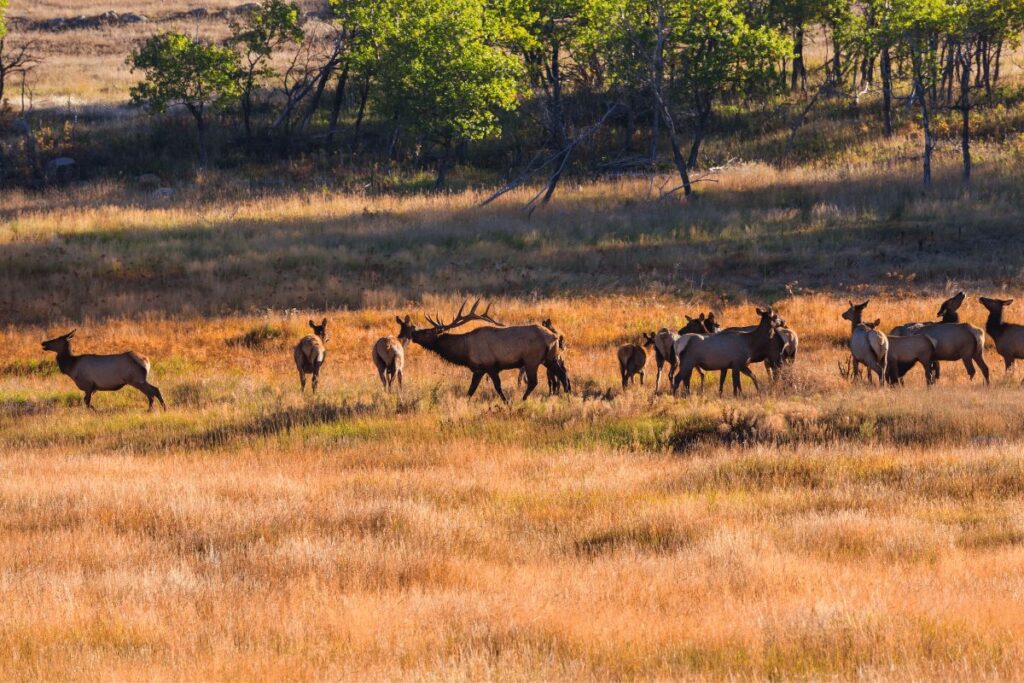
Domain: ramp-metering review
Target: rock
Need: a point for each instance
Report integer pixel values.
(132, 18)
(163, 193)
(60, 170)
(197, 13)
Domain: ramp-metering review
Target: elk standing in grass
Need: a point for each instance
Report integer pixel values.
(558, 376)
(1008, 337)
(867, 345)
(486, 350)
(665, 340)
(725, 352)
(633, 359)
(907, 351)
(389, 357)
(92, 373)
(781, 351)
(954, 340)
(310, 354)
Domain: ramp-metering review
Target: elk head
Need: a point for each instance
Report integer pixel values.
(950, 306)
(710, 324)
(428, 336)
(995, 305)
(61, 344)
(648, 338)
(320, 330)
(855, 312)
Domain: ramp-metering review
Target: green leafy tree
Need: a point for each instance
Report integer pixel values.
(442, 78)
(181, 71)
(269, 26)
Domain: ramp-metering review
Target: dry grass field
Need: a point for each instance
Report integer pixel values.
(817, 530)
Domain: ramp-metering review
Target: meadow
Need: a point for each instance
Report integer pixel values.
(820, 529)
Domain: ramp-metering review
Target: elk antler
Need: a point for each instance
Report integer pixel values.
(461, 318)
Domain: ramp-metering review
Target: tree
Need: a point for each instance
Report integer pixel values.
(442, 78)
(13, 59)
(916, 27)
(269, 26)
(181, 71)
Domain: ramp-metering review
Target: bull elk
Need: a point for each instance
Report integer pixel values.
(725, 352)
(486, 350)
(92, 373)
(867, 345)
(1008, 337)
(389, 358)
(310, 354)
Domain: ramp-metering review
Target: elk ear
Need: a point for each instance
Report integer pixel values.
(70, 334)
(312, 324)
(878, 321)
(324, 323)
(700, 317)
(1007, 302)
(398, 320)
(688, 318)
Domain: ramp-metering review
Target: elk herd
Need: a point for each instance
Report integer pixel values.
(702, 344)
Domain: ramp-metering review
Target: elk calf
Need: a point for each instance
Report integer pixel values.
(389, 357)
(867, 345)
(633, 358)
(310, 354)
(92, 373)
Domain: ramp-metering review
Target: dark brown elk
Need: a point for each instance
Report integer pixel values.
(558, 376)
(665, 339)
(92, 373)
(486, 350)
(907, 351)
(868, 346)
(725, 352)
(1008, 337)
(948, 313)
(633, 359)
(782, 350)
(389, 358)
(310, 354)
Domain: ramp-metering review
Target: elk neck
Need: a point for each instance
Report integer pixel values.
(449, 346)
(995, 325)
(950, 317)
(66, 360)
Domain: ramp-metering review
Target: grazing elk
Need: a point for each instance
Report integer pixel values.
(310, 354)
(907, 351)
(867, 345)
(633, 358)
(92, 373)
(954, 340)
(1008, 337)
(725, 352)
(558, 376)
(665, 340)
(389, 357)
(486, 350)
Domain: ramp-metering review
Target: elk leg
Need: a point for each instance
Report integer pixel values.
(302, 381)
(659, 361)
(531, 380)
(721, 381)
(316, 379)
(746, 371)
(980, 360)
(475, 382)
(496, 381)
(151, 392)
(969, 364)
(736, 389)
(856, 369)
(383, 377)
(399, 374)
(88, 400)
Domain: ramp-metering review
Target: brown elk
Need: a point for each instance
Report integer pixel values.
(486, 350)
(665, 339)
(781, 351)
(389, 357)
(725, 352)
(867, 345)
(310, 354)
(907, 351)
(1008, 337)
(954, 340)
(633, 358)
(558, 376)
(92, 373)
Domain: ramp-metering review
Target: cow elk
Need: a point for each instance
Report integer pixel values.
(868, 346)
(92, 373)
(1008, 337)
(633, 359)
(310, 354)
(907, 351)
(389, 358)
(558, 376)
(665, 340)
(486, 350)
(954, 340)
(725, 352)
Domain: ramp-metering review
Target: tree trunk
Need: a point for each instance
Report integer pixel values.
(926, 126)
(798, 77)
(358, 139)
(704, 114)
(443, 166)
(965, 110)
(339, 99)
(886, 69)
(197, 113)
